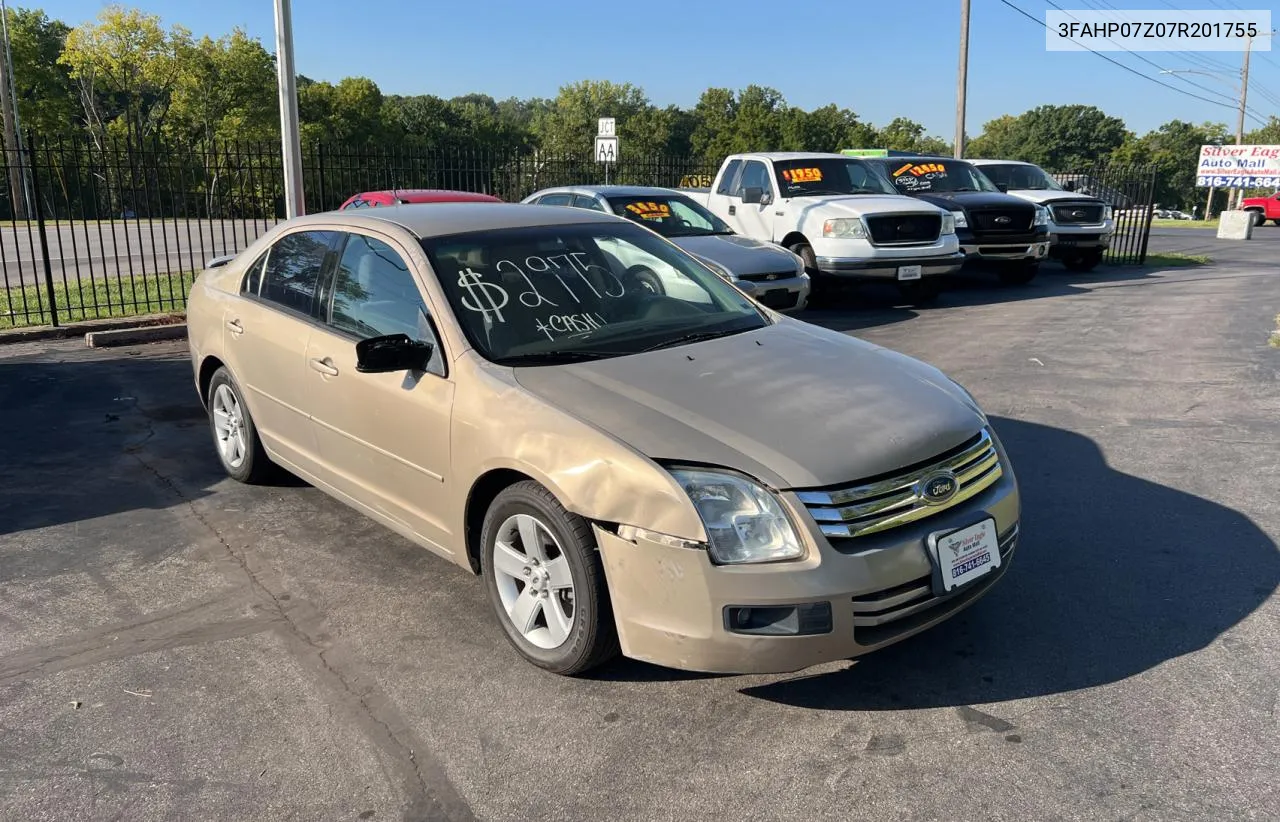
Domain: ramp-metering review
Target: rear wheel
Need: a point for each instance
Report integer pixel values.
(545, 581)
(1257, 217)
(235, 437)
(1019, 273)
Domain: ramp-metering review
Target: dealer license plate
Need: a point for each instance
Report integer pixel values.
(909, 272)
(1068, 241)
(966, 555)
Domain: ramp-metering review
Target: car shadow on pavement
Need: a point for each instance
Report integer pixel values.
(1114, 575)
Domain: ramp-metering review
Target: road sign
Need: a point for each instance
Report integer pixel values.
(605, 127)
(606, 149)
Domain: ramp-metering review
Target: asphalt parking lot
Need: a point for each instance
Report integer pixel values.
(177, 646)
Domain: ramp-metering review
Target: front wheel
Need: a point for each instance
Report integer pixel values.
(235, 437)
(1086, 261)
(820, 287)
(1019, 274)
(545, 581)
(1257, 218)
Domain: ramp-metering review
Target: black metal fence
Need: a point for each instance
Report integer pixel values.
(91, 230)
(1129, 190)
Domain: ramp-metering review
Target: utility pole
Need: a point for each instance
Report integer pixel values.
(291, 144)
(1244, 96)
(9, 108)
(962, 80)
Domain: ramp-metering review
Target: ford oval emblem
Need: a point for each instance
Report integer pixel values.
(1003, 220)
(938, 488)
(1079, 215)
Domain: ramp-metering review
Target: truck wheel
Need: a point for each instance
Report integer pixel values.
(1257, 217)
(820, 287)
(1019, 273)
(920, 292)
(645, 278)
(1086, 261)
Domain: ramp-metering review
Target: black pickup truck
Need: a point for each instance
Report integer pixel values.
(1005, 232)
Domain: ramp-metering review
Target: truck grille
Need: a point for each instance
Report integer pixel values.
(1001, 220)
(1077, 214)
(882, 504)
(904, 229)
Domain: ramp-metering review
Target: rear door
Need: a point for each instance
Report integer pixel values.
(267, 333)
(383, 438)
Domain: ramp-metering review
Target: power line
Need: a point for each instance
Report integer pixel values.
(1117, 63)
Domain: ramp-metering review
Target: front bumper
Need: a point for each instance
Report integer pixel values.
(1067, 240)
(889, 268)
(1006, 251)
(787, 294)
(670, 602)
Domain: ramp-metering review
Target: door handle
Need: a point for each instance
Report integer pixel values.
(733, 209)
(235, 327)
(325, 367)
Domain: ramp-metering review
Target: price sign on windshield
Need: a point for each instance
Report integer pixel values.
(802, 175)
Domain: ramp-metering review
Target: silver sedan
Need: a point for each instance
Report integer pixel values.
(771, 275)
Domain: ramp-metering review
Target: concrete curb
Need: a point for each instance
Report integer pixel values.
(62, 332)
(133, 336)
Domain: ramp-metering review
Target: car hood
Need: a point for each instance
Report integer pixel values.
(856, 205)
(741, 255)
(1036, 195)
(970, 199)
(791, 404)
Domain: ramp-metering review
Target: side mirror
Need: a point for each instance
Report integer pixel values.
(1004, 189)
(1069, 185)
(754, 194)
(394, 352)
(766, 198)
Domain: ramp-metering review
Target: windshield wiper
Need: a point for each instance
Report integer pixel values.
(696, 336)
(556, 357)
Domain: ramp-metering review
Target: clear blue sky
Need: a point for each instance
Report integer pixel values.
(881, 59)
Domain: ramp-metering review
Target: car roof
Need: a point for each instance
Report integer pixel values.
(611, 190)
(793, 155)
(1001, 162)
(443, 219)
(433, 195)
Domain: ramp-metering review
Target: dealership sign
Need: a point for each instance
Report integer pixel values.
(1239, 167)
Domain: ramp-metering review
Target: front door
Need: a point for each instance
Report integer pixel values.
(267, 333)
(384, 438)
(756, 219)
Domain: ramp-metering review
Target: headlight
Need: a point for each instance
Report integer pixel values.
(948, 224)
(1107, 212)
(800, 272)
(961, 221)
(844, 228)
(1042, 215)
(744, 522)
(717, 268)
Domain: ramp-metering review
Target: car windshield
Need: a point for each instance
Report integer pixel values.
(1016, 176)
(820, 176)
(921, 176)
(671, 215)
(555, 294)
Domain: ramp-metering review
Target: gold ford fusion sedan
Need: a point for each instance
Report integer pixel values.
(694, 480)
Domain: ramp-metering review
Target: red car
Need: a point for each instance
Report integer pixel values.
(400, 196)
(1263, 208)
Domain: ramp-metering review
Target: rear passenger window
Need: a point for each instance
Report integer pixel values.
(726, 179)
(374, 293)
(592, 203)
(253, 277)
(292, 272)
(555, 200)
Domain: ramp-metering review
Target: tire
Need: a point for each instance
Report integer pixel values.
(821, 289)
(1087, 261)
(920, 292)
(235, 437)
(1257, 217)
(531, 584)
(645, 278)
(1019, 274)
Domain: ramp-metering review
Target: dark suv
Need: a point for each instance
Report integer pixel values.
(1006, 232)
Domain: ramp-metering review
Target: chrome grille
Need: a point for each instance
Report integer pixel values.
(883, 504)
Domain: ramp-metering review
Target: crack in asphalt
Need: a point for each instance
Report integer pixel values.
(430, 795)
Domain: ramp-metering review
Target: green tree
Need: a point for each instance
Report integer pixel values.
(713, 116)
(47, 101)
(829, 128)
(348, 112)
(998, 140)
(1058, 138)
(1172, 149)
(1267, 135)
(226, 90)
(125, 66)
(568, 125)
(903, 134)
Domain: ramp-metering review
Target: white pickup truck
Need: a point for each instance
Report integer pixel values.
(841, 215)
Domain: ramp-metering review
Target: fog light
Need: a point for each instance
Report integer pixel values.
(779, 620)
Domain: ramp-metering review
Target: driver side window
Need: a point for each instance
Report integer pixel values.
(754, 175)
(375, 294)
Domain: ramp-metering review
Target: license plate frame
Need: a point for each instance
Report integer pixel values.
(910, 272)
(947, 553)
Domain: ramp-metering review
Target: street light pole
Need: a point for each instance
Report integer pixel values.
(962, 79)
(291, 144)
